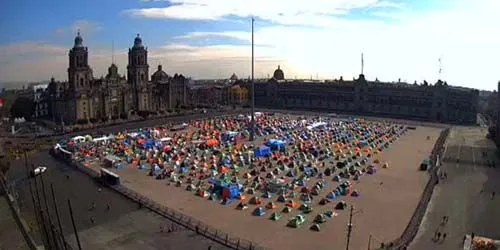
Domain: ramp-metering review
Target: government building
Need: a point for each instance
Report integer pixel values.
(84, 98)
(438, 103)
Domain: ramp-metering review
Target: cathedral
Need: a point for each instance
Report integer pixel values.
(84, 98)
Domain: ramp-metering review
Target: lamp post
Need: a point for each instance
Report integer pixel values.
(252, 89)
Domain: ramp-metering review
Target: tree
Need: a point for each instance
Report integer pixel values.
(22, 107)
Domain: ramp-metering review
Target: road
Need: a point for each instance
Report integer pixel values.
(10, 236)
(124, 226)
(465, 196)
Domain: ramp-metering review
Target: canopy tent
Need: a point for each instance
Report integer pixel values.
(262, 151)
(276, 144)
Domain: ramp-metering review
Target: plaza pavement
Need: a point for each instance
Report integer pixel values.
(125, 226)
(465, 196)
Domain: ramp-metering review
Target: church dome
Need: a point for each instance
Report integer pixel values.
(159, 75)
(138, 42)
(78, 40)
(278, 74)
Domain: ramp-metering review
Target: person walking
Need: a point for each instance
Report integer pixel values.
(439, 236)
(444, 237)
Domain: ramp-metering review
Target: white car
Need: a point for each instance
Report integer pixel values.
(38, 170)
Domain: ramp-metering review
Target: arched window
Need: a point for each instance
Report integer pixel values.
(142, 77)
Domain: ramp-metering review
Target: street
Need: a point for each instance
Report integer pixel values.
(464, 196)
(123, 225)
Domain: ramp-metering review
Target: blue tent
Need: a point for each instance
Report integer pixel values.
(262, 151)
(259, 211)
(276, 144)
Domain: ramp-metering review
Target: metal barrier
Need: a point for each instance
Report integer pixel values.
(412, 228)
(172, 215)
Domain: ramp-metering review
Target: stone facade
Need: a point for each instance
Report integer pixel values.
(84, 97)
(439, 102)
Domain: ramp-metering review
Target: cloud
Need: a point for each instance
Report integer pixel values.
(406, 46)
(86, 27)
(312, 12)
(216, 61)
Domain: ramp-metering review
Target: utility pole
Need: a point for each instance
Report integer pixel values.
(349, 226)
(252, 129)
(57, 215)
(74, 225)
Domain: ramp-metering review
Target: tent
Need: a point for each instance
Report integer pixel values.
(259, 211)
(262, 151)
(276, 144)
(231, 192)
(286, 210)
(281, 198)
(320, 218)
(242, 206)
(341, 205)
(292, 204)
(425, 164)
(324, 201)
(212, 142)
(315, 227)
(355, 193)
(275, 216)
(255, 200)
(271, 205)
(293, 223)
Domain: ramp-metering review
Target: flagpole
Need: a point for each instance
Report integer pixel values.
(252, 129)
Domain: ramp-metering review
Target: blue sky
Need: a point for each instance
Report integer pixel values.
(210, 38)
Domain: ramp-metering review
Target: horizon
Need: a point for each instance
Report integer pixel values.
(210, 39)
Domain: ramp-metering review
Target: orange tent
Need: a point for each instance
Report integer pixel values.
(212, 142)
(292, 204)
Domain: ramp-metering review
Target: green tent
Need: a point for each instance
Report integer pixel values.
(275, 216)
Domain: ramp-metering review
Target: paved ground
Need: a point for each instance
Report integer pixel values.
(10, 236)
(124, 226)
(388, 205)
(460, 197)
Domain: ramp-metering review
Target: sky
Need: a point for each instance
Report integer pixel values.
(208, 39)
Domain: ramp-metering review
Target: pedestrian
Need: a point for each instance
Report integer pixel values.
(108, 207)
(492, 195)
(439, 236)
(92, 220)
(99, 190)
(446, 219)
(444, 236)
(445, 176)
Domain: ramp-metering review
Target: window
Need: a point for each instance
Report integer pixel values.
(81, 82)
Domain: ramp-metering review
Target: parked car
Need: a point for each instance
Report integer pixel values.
(38, 170)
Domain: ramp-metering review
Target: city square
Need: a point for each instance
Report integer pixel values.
(384, 183)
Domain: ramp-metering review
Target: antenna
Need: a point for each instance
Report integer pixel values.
(113, 52)
(362, 63)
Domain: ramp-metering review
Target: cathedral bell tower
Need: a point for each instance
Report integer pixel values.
(138, 74)
(79, 71)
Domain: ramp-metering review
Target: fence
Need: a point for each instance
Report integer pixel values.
(174, 216)
(412, 228)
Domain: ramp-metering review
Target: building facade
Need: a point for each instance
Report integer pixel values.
(41, 105)
(439, 102)
(85, 98)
